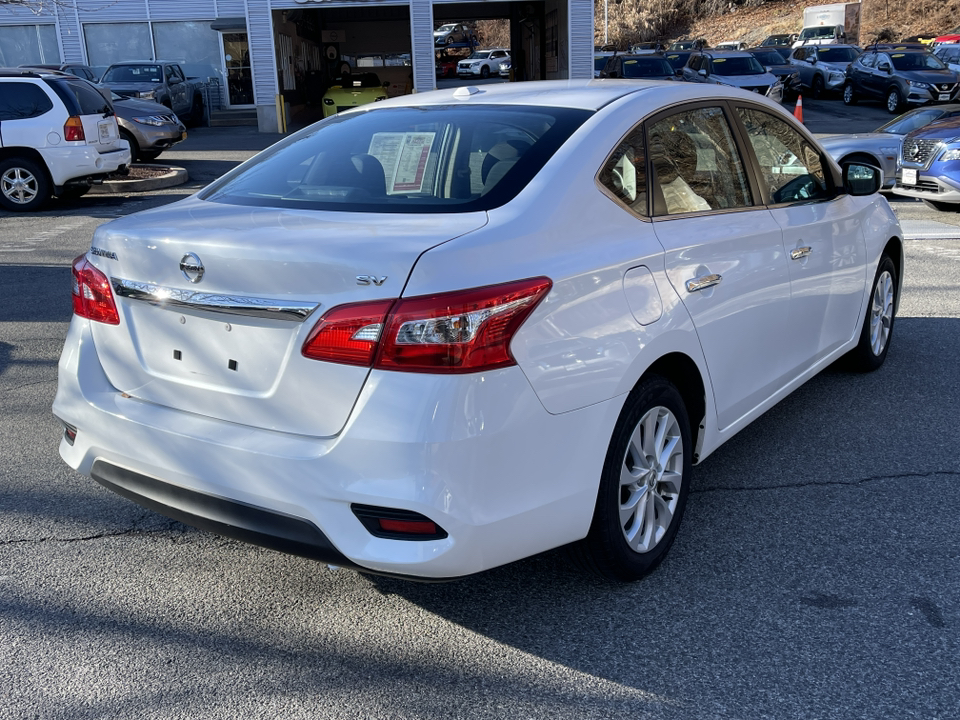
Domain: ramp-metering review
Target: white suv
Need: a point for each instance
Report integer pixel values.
(58, 135)
(483, 63)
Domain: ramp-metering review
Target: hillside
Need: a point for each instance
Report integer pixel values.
(635, 20)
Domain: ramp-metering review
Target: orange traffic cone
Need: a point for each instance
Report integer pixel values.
(798, 110)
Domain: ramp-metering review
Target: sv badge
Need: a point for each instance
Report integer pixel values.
(371, 280)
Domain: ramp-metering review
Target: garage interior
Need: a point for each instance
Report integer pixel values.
(316, 45)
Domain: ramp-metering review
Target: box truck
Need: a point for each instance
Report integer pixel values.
(830, 24)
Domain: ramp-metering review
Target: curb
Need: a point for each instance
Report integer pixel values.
(176, 176)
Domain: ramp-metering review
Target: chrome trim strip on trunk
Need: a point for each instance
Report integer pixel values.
(290, 310)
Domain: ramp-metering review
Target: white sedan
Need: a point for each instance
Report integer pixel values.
(452, 330)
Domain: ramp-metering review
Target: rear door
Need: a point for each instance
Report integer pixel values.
(724, 255)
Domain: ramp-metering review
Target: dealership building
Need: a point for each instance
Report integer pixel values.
(268, 55)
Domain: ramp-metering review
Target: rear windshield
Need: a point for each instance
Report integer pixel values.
(80, 97)
(133, 73)
(436, 159)
(826, 31)
(646, 67)
(736, 66)
(837, 55)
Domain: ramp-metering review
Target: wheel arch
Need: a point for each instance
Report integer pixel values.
(894, 250)
(682, 372)
(28, 153)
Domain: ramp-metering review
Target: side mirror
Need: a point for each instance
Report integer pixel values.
(678, 72)
(175, 81)
(386, 83)
(860, 179)
(812, 60)
(702, 72)
(884, 68)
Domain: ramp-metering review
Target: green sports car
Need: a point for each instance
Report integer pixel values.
(349, 91)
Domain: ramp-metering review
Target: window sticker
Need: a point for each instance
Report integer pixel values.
(630, 62)
(404, 158)
(719, 60)
(900, 55)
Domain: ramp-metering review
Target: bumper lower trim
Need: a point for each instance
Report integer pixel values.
(230, 518)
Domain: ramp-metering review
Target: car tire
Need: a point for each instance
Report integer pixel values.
(849, 94)
(134, 145)
(817, 87)
(149, 155)
(197, 112)
(448, 40)
(484, 72)
(24, 185)
(942, 206)
(894, 101)
(877, 331)
(643, 486)
(73, 192)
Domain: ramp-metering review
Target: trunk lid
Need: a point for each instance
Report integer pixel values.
(248, 368)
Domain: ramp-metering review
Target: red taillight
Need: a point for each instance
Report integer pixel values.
(73, 129)
(92, 296)
(458, 332)
(348, 334)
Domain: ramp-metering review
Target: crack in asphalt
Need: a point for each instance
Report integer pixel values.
(167, 526)
(829, 483)
(31, 384)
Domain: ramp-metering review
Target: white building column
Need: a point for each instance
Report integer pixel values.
(421, 46)
(263, 63)
(580, 39)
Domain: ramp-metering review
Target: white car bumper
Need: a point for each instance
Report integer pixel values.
(73, 161)
(477, 454)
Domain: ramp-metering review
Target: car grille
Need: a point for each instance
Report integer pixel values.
(126, 93)
(923, 186)
(945, 87)
(167, 118)
(918, 153)
(762, 89)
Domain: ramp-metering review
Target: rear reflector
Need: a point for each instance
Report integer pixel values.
(396, 524)
(92, 296)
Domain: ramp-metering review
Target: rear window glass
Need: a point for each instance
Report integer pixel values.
(646, 67)
(80, 97)
(736, 65)
(837, 55)
(402, 160)
(22, 100)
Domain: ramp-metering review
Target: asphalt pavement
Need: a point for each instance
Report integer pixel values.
(816, 575)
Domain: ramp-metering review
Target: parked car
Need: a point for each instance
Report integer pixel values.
(949, 55)
(774, 63)
(149, 127)
(452, 33)
(823, 68)
(639, 67)
(782, 40)
(951, 37)
(446, 66)
(733, 69)
(678, 59)
(464, 342)
(924, 38)
(882, 146)
(163, 82)
(930, 165)
(78, 69)
(684, 45)
(600, 62)
(505, 67)
(482, 63)
(647, 48)
(58, 136)
(737, 45)
(353, 90)
(909, 77)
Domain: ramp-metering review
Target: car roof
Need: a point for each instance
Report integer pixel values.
(574, 94)
(713, 52)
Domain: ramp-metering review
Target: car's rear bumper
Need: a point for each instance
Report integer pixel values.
(79, 162)
(476, 454)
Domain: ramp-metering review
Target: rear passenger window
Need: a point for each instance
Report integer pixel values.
(80, 97)
(21, 100)
(625, 175)
(697, 164)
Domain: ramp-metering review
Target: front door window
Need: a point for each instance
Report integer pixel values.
(236, 61)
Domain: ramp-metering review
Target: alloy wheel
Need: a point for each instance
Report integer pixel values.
(650, 479)
(881, 313)
(19, 185)
(893, 101)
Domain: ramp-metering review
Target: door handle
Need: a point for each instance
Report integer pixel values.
(703, 282)
(800, 253)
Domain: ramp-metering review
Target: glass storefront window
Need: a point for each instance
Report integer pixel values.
(28, 44)
(108, 43)
(192, 44)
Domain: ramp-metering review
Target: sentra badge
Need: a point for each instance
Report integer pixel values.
(109, 254)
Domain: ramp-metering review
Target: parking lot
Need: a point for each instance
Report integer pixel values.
(816, 573)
